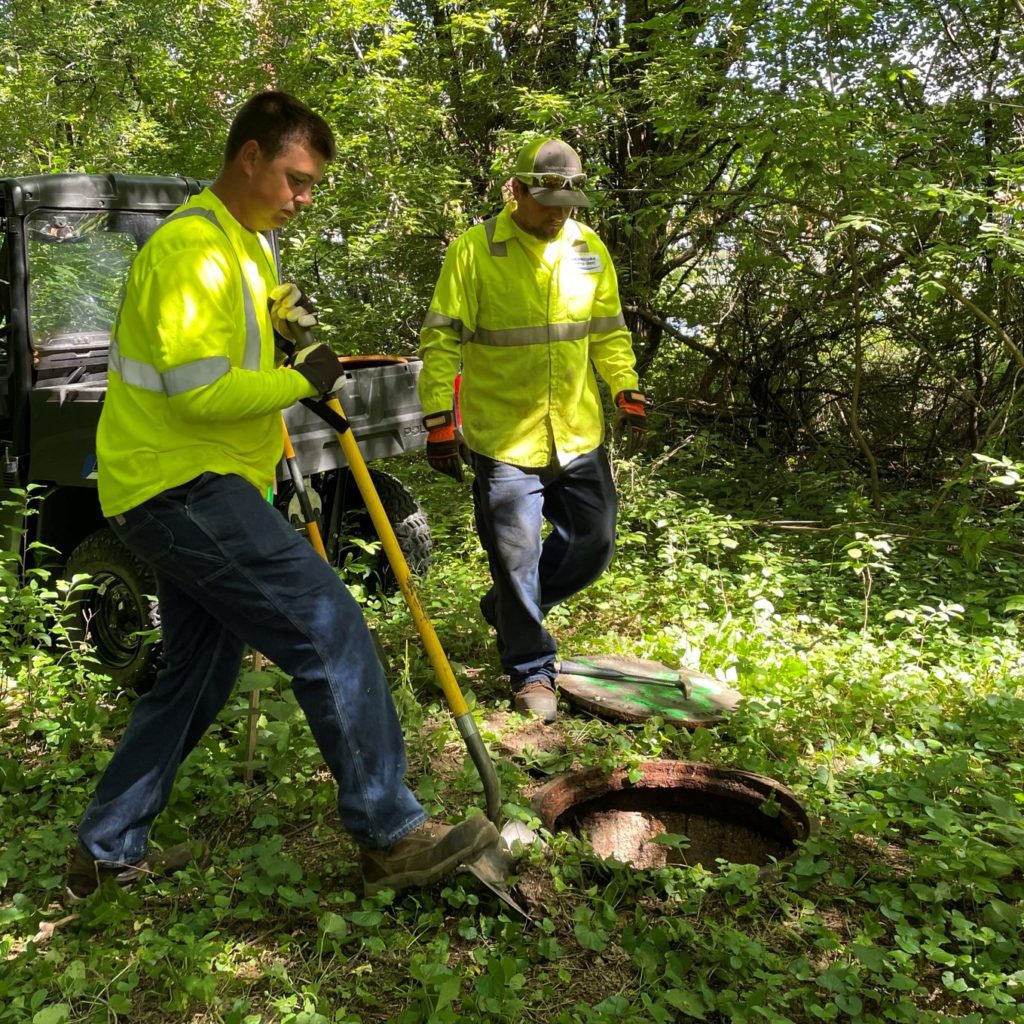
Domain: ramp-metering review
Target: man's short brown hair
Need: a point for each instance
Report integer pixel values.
(274, 120)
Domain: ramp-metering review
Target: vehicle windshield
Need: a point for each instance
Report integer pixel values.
(77, 265)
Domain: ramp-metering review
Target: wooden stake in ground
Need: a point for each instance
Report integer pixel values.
(254, 715)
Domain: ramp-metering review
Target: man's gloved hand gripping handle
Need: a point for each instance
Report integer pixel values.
(443, 445)
(320, 365)
(293, 315)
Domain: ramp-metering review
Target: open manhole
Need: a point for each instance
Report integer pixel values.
(701, 812)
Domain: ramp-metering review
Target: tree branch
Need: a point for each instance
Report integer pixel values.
(690, 342)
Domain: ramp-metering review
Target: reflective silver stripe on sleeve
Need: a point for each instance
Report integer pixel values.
(497, 248)
(200, 372)
(182, 378)
(508, 336)
(433, 319)
(193, 375)
(603, 324)
(438, 320)
(253, 338)
(134, 372)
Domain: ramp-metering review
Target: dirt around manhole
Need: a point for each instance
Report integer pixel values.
(629, 838)
(525, 737)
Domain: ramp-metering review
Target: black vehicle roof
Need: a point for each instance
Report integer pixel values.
(19, 196)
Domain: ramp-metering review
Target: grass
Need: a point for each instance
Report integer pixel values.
(881, 672)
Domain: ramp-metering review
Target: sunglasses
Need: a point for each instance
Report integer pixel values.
(569, 181)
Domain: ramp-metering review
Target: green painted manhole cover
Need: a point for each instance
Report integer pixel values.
(633, 690)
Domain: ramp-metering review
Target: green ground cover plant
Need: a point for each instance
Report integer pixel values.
(879, 655)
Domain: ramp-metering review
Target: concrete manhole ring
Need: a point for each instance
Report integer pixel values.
(723, 813)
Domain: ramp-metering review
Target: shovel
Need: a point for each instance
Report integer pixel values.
(331, 412)
(492, 867)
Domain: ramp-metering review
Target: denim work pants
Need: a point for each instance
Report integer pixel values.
(230, 571)
(530, 577)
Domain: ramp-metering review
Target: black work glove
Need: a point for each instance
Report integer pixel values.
(443, 446)
(631, 421)
(320, 365)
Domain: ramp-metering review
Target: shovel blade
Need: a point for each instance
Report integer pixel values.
(494, 865)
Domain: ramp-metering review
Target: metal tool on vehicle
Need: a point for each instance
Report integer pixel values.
(310, 522)
(312, 528)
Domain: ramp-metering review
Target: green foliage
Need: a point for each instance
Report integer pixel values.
(901, 734)
(814, 209)
(75, 285)
(34, 608)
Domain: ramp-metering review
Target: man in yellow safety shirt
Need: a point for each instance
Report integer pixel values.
(526, 308)
(187, 446)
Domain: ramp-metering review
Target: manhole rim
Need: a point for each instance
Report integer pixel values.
(551, 802)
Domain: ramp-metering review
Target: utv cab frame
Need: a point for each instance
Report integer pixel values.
(67, 243)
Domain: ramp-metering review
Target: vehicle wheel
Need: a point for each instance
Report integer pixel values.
(115, 613)
(404, 512)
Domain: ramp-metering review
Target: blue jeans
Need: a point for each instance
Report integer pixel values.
(230, 571)
(531, 577)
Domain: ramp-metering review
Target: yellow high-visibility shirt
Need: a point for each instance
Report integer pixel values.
(525, 321)
(192, 385)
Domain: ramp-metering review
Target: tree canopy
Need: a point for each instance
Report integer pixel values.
(813, 206)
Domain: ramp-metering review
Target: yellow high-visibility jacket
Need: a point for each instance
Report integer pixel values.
(192, 385)
(525, 321)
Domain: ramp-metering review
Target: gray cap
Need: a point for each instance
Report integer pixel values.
(551, 158)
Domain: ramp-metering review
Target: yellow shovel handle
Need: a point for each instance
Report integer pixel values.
(453, 695)
(357, 466)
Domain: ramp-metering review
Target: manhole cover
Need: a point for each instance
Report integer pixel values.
(678, 812)
(633, 690)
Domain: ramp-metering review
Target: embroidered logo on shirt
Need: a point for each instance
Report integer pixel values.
(588, 262)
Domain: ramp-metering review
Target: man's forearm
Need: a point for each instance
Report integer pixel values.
(442, 357)
(242, 394)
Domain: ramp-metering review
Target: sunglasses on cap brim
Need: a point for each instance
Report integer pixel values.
(573, 182)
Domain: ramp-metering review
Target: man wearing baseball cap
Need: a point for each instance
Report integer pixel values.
(527, 308)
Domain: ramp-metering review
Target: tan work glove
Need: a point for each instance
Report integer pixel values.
(292, 313)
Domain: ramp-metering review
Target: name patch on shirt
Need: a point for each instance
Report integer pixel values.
(588, 262)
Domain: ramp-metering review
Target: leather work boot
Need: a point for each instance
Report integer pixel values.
(429, 852)
(538, 697)
(85, 874)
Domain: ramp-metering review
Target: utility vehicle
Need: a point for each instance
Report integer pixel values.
(66, 245)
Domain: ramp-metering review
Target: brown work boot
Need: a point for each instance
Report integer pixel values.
(86, 875)
(429, 852)
(539, 698)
